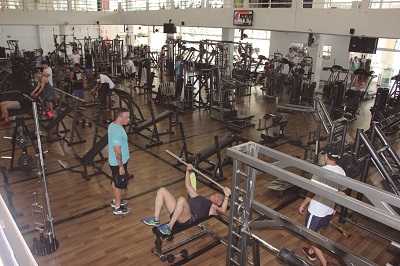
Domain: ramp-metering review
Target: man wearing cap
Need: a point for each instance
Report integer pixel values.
(321, 210)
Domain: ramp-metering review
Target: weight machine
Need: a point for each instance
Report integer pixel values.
(21, 137)
(223, 102)
(249, 160)
(334, 80)
(374, 147)
(64, 111)
(275, 78)
(302, 87)
(22, 64)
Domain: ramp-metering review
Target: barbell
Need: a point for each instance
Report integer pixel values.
(194, 169)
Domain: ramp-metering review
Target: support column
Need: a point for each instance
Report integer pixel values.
(316, 54)
(229, 35)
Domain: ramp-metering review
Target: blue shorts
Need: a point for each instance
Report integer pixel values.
(316, 223)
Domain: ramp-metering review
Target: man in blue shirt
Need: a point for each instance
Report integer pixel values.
(118, 156)
(179, 68)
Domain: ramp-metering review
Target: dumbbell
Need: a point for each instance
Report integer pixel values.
(86, 124)
(171, 257)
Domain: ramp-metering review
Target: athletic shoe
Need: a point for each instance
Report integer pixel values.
(56, 107)
(81, 108)
(123, 203)
(311, 256)
(164, 229)
(151, 221)
(5, 122)
(2, 118)
(122, 210)
(50, 114)
(44, 113)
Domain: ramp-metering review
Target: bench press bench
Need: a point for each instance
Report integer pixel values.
(160, 238)
(154, 138)
(213, 149)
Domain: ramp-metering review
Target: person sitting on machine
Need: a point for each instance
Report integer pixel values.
(267, 66)
(186, 211)
(5, 106)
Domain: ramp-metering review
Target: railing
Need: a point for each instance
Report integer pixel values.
(138, 5)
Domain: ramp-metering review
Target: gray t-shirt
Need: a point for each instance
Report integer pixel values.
(320, 206)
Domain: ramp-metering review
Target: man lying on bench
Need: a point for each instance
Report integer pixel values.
(186, 212)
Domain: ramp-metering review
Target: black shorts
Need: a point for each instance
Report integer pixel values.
(132, 75)
(187, 223)
(115, 170)
(106, 89)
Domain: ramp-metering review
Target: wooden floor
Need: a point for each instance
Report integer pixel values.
(90, 234)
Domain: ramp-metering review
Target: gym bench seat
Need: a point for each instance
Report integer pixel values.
(160, 238)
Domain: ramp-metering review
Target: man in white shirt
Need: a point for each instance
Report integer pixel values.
(131, 71)
(48, 73)
(321, 210)
(75, 57)
(291, 55)
(107, 86)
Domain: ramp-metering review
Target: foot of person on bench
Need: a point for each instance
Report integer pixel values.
(151, 221)
(165, 229)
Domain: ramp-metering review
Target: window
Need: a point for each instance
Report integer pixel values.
(326, 52)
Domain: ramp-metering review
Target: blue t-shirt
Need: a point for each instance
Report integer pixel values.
(179, 67)
(117, 137)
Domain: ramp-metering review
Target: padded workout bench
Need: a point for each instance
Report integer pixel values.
(160, 238)
(154, 138)
(89, 156)
(64, 111)
(131, 105)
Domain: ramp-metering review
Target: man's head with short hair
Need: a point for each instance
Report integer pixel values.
(217, 199)
(122, 116)
(44, 63)
(36, 73)
(332, 151)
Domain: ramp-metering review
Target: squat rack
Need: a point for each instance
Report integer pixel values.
(246, 167)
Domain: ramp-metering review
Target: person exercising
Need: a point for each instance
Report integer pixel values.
(107, 86)
(44, 86)
(186, 211)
